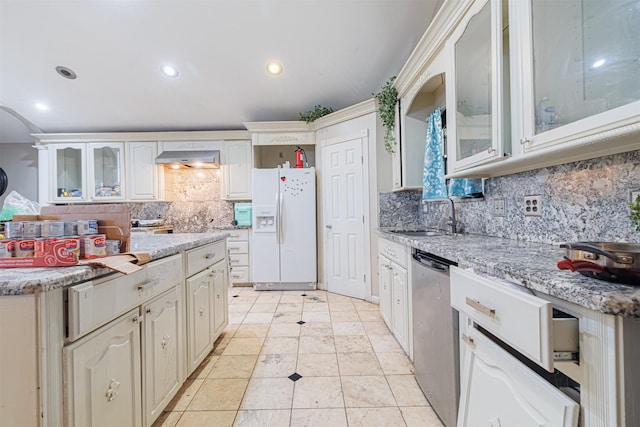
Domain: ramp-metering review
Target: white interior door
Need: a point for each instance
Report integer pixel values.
(343, 217)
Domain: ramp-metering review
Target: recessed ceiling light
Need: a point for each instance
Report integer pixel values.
(41, 106)
(274, 68)
(169, 70)
(66, 72)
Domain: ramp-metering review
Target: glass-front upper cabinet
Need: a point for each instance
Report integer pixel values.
(68, 172)
(476, 93)
(105, 163)
(576, 71)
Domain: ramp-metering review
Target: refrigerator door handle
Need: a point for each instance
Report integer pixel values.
(277, 217)
(280, 214)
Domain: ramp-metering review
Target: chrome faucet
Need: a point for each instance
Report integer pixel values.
(452, 216)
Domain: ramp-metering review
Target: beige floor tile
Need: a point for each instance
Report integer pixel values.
(243, 346)
(374, 417)
(240, 308)
(358, 364)
(316, 329)
(345, 316)
(341, 306)
(207, 418)
(267, 307)
(286, 317)
(318, 418)
(243, 299)
(317, 344)
(364, 305)
(370, 316)
(348, 328)
(376, 328)
(289, 307)
(261, 318)
(230, 330)
(251, 331)
(280, 345)
(395, 364)
(385, 344)
(311, 298)
(318, 392)
(420, 417)
(284, 330)
(406, 390)
(167, 419)
(268, 296)
(318, 365)
(315, 306)
(353, 344)
(296, 298)
(203, 370)
(335, 298)
(185, 395)
(234, 367)
(263, 417)
(268, 393)
(316, 316)
(367, 392)
(275, 366)
(236, 318)
(219, 395)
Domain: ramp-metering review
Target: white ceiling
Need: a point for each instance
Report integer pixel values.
(334, 52)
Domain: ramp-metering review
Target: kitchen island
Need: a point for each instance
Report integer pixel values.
(493, 276)
(94, 347)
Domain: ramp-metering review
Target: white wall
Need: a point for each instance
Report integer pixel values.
(20, 162)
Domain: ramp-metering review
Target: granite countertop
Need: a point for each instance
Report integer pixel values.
(532, 265)
(20, 281)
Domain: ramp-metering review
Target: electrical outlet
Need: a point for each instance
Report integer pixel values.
(498, 207)
(633, 195)
(532, 206)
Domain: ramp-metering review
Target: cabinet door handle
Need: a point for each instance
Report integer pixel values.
(524, 140)
(210, 255)
(148, 284)
(113, 390)
(491, 150)
(201, 311)
(490, 312)
(165, 342)
(468, 340)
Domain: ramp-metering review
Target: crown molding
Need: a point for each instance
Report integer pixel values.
(216, 135)
(348, 113)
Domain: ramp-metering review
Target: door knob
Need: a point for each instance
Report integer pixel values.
(329, 226)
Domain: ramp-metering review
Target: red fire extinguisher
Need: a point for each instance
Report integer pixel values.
(301, 158)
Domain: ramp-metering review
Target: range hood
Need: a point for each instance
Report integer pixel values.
(195, 159)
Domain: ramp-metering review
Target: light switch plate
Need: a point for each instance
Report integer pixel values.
(499, 207)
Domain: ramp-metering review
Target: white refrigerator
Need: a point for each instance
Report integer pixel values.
(284, 229)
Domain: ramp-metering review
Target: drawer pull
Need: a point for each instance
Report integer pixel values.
(210, 255)
(148, 284)
(231, 249)
(490, 312)
(468, 340)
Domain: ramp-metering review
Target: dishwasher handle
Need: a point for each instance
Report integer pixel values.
(430, 263)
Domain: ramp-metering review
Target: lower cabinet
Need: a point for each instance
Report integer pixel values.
(102, 376)
(394, 291)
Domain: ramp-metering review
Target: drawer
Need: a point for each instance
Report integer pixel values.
(200, 258)
(94, 303)
(239, 274)
(238, 259)
(522, 320)
(238, 247)
(396, 252)
(240, 234)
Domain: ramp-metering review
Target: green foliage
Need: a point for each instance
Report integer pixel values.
(634, 216)
(387, 100)
(315, 114)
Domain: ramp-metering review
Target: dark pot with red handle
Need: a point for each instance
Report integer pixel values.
(613, 262)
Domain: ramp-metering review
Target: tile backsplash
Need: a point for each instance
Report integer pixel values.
(581, 201)
(192, 202)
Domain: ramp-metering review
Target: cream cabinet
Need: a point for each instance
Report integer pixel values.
(68, 167)
(142, 171)
(236, 170)
(162, 351)
(105, 171)
(103, 376)
(575, 74)
(394, 291)
(239, 256)
(206, 300)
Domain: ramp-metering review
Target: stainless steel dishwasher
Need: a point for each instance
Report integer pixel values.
(435, 335)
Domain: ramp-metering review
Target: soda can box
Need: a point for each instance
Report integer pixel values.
(87, 226)
(24, 248)
(45, 246)
(52, 228)
(13, 230)
(31, 229)
(71, 228)
(113, 247)
(93, 246)
(6, 248)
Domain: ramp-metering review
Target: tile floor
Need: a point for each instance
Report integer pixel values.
(351, 370)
